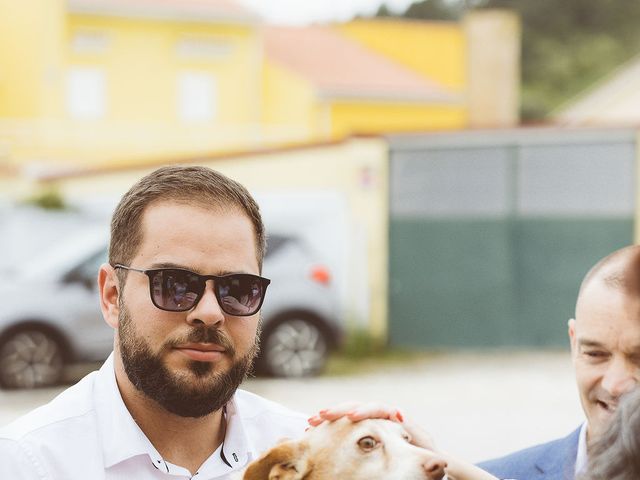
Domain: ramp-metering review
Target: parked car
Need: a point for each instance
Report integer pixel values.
(50, 314)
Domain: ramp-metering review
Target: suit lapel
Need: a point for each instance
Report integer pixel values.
(558, 462)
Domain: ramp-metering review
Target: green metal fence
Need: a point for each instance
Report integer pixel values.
(490, 235)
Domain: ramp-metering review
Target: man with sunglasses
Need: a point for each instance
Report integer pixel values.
(182, 291)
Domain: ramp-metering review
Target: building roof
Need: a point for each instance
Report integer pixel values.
(190, 10)
(341, 68)
(614, 100)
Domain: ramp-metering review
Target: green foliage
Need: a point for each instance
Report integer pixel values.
(567, 46)
(360, 343)
(383, 11)
(434, 10)
(362, 353)
(49, 199)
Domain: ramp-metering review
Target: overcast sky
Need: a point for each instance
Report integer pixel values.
(303, 12)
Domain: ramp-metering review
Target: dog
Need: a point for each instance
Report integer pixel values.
(372, 449)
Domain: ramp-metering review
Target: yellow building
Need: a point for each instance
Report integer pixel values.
(336, 87)
(477, 58)
(438, 49)
(118, 80)
(114, 82)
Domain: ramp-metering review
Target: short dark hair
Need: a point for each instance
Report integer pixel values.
(616, 454)
(192, 185)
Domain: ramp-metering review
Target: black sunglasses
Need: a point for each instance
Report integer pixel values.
(178, 290)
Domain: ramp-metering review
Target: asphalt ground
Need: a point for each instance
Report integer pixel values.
(476, 405)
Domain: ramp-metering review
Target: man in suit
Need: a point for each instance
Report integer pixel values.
(605, 348)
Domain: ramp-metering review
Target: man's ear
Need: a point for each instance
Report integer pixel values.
(283, 462)
(109, 294)
(572, 333)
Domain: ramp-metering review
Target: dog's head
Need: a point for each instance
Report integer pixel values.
(370, 449)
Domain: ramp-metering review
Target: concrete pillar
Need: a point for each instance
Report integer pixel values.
(493, 67)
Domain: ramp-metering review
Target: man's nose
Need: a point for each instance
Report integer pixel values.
(621, 377)
(207, 310)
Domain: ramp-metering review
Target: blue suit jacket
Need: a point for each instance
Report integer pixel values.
(555, 460)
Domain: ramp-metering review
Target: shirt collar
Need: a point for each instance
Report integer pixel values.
(121, 436)
(236, 444)
(582, 457)
(123, 439)
(235, 451)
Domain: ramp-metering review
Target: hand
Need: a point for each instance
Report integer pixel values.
(356, 411)
(234, 304)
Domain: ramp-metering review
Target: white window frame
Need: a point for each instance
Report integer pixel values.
(197, 96)
(86, 93)
(90, 41)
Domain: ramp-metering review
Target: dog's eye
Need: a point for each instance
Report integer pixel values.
(367, 443)
(407, 437)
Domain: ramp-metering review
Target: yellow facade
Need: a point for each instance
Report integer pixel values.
(294, 106)
(377, 117)
(437, 50)
(139, 62)
(30, 54)
(289, 102)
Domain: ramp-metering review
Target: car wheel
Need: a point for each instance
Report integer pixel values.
(294, 347)
(30, 359)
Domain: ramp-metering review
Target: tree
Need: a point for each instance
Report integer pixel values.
(383, 11)
(433, 10)
(566, 45)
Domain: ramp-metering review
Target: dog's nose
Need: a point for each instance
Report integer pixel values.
(434, 468)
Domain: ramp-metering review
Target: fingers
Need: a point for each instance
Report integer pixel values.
(375, 410)
(356, 411)
(315, 420)
(419, 437)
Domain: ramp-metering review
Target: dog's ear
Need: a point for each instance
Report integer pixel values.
(283, 462)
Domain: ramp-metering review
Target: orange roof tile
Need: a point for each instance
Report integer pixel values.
(340, 67)
(204, 10)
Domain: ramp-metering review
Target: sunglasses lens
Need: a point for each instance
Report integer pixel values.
(240, 295)
(175, 290)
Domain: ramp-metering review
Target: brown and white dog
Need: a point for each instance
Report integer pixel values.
(371, 449)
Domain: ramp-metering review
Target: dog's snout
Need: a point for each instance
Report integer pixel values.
(435, 468)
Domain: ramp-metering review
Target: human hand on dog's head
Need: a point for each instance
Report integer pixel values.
(357, 411)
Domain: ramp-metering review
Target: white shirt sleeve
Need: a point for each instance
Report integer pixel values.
(17, 463)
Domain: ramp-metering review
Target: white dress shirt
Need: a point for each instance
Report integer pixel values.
(87, 433)
(582, 458)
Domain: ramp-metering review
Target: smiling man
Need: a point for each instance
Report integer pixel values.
(605, 347)
(182, 291)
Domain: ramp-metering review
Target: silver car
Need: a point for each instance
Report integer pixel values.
(50, 315)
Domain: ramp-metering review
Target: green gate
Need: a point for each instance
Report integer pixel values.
(490, 235)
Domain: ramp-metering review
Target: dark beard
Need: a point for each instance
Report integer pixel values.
(181, 396)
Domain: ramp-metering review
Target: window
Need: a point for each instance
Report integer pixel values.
(196, 96)
(86, 88)
(202, 48)
(88, 41)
